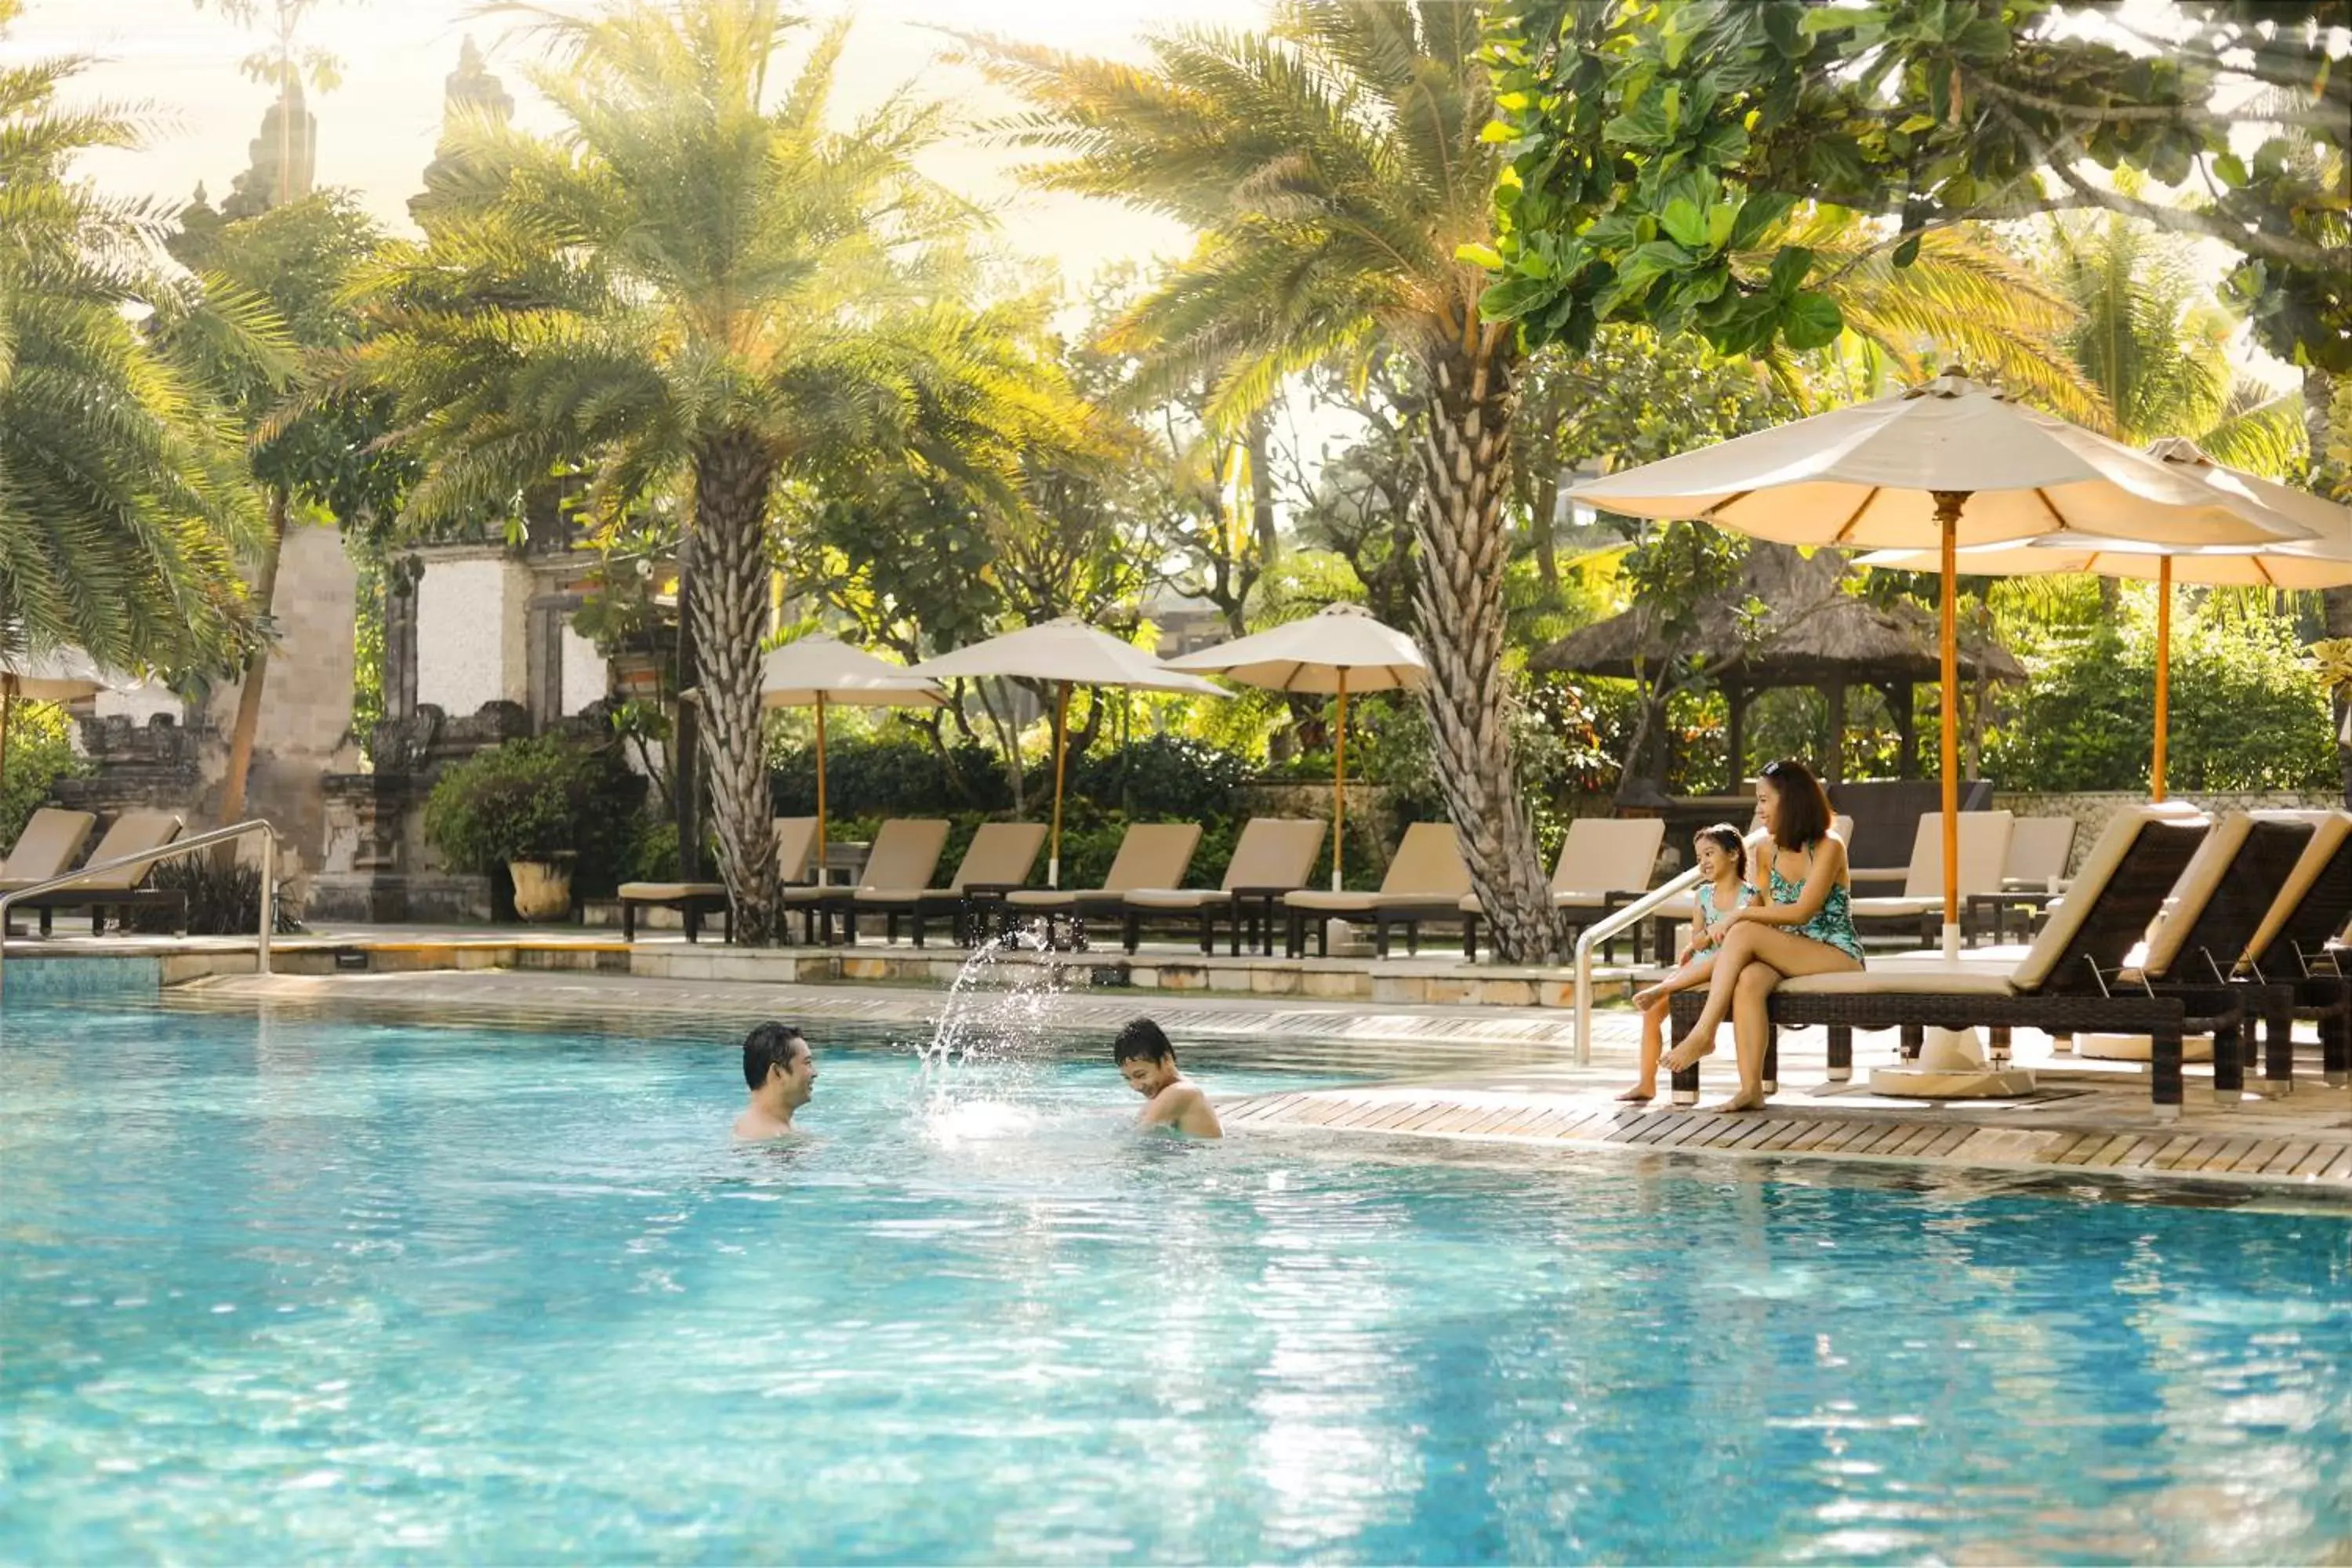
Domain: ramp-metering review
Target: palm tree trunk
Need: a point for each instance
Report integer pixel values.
(732, 475)
(2336, 604)
(1466, 457)
(257, 670)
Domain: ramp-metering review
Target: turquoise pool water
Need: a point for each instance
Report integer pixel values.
(321, 1288)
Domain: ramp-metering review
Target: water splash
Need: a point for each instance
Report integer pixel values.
(983, 1051)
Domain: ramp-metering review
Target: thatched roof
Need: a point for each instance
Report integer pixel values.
(1813, 631)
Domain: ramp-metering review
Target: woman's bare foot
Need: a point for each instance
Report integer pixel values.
(1746, 1100)
(1640, 1094)
(1688, 1053)
(1647, 997)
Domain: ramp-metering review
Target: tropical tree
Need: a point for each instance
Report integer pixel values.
(121, 510)
(694, 288)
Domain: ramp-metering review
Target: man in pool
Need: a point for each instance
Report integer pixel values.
(1148, 1061)
(781, 1072)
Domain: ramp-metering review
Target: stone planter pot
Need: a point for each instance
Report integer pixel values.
(542, 889)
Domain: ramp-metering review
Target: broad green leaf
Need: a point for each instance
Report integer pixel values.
(1908, 251)
(1478, 256)
(1789, 268)
(1758, 214)
(1810, 321)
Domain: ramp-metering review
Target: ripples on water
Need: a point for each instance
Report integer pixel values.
(381, 1292)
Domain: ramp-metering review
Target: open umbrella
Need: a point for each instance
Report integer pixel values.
(2324, 562)
(821, 671)
(56, 677)
(1064, 652)
(1948, 464)
(1340, 648)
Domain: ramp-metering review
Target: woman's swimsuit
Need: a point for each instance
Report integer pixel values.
(1832, 923)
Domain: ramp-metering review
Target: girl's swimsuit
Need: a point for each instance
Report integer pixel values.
(1708, 914)
(1832, 923)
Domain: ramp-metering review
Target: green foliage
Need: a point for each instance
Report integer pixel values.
(40, 752)
(536, 800)
(122, 506)
(224, 898)
(2246, 713)
(1161, 778)
(1652, 141)
(895, 774)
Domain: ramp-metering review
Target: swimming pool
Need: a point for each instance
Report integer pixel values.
(325, 1286)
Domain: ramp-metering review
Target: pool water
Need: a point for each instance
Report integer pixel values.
(329, 1287)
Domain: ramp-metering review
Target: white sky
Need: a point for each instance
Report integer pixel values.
(376, 130)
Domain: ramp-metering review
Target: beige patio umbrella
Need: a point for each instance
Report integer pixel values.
(2324, 562)
(821, 671)
(1949, 464)
(61, 676)
(1062, 653)
(1340, 648)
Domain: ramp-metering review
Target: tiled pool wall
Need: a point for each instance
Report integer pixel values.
(32, 982)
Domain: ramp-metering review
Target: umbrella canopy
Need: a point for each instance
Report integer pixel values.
(821, 671)
(1866, 477)
(1339, 648)
(1064, 653)
(59, 675)
(1948, 464)
(2322, 561)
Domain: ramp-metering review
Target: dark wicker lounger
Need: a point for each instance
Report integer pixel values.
(2292, 954)
(2059, 987)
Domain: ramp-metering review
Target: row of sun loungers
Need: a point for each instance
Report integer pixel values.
(51, 844)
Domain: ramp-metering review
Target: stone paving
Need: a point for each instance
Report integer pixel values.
(1508, 1076)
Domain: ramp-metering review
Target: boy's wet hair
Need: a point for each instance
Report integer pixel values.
(770, 1044)
(1726, 838)
(1141, 1037)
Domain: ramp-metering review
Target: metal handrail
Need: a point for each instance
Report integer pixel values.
(172, 851)
(1602, 930)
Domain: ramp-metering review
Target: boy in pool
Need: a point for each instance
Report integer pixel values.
(781, 1070)
(1148, 1061)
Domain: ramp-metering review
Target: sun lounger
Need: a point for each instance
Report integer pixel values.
(1605, 863)
(1427, 880)
(1883, 815)
(50, 840)
(122, 890)
(2293, 952)
(2060, 985)
(2039, 848)
(1150, 855)
(1273, 857)
(905, 853)
(1984, 850)
(2211, 915)
(999, 858)
(795, 843)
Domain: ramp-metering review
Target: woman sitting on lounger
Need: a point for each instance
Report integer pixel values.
(1804, 925)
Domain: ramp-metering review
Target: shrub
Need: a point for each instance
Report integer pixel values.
(901, 776)
(223, 899)
(535, 800)
(40, 752)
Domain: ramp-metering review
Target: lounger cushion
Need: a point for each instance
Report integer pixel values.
(50, 840)
(1178, 897)
(2066, 917)
(902, 895)
(1603, 855)
(1368, 903)
(1896, 908)
(2038, 850)
(1060, 898)
(664, 892)
(1904, 980)
(2214, 859)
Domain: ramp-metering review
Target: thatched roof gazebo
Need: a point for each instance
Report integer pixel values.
(1815, 634)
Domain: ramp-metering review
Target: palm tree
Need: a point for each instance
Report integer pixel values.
(119, 510)
(1335, 171)
(694, 288)
(1332, 167)
(2149, 336)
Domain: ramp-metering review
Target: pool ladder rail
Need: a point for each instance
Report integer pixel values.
(172, 851)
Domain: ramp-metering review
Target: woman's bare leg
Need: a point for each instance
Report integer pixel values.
(1729, 960)
(1773, 955)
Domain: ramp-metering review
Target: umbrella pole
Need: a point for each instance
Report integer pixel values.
(1339, 786)
(1947, 520)
(820, 789)
(1061, 735)
(2163, 672)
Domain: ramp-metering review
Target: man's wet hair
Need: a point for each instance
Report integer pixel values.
(1141, 1037)
(770, 1044)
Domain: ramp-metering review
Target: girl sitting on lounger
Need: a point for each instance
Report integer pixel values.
(1805, 926)
(1723, 887)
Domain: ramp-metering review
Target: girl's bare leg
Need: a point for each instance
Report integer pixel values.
(1653, 1030)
